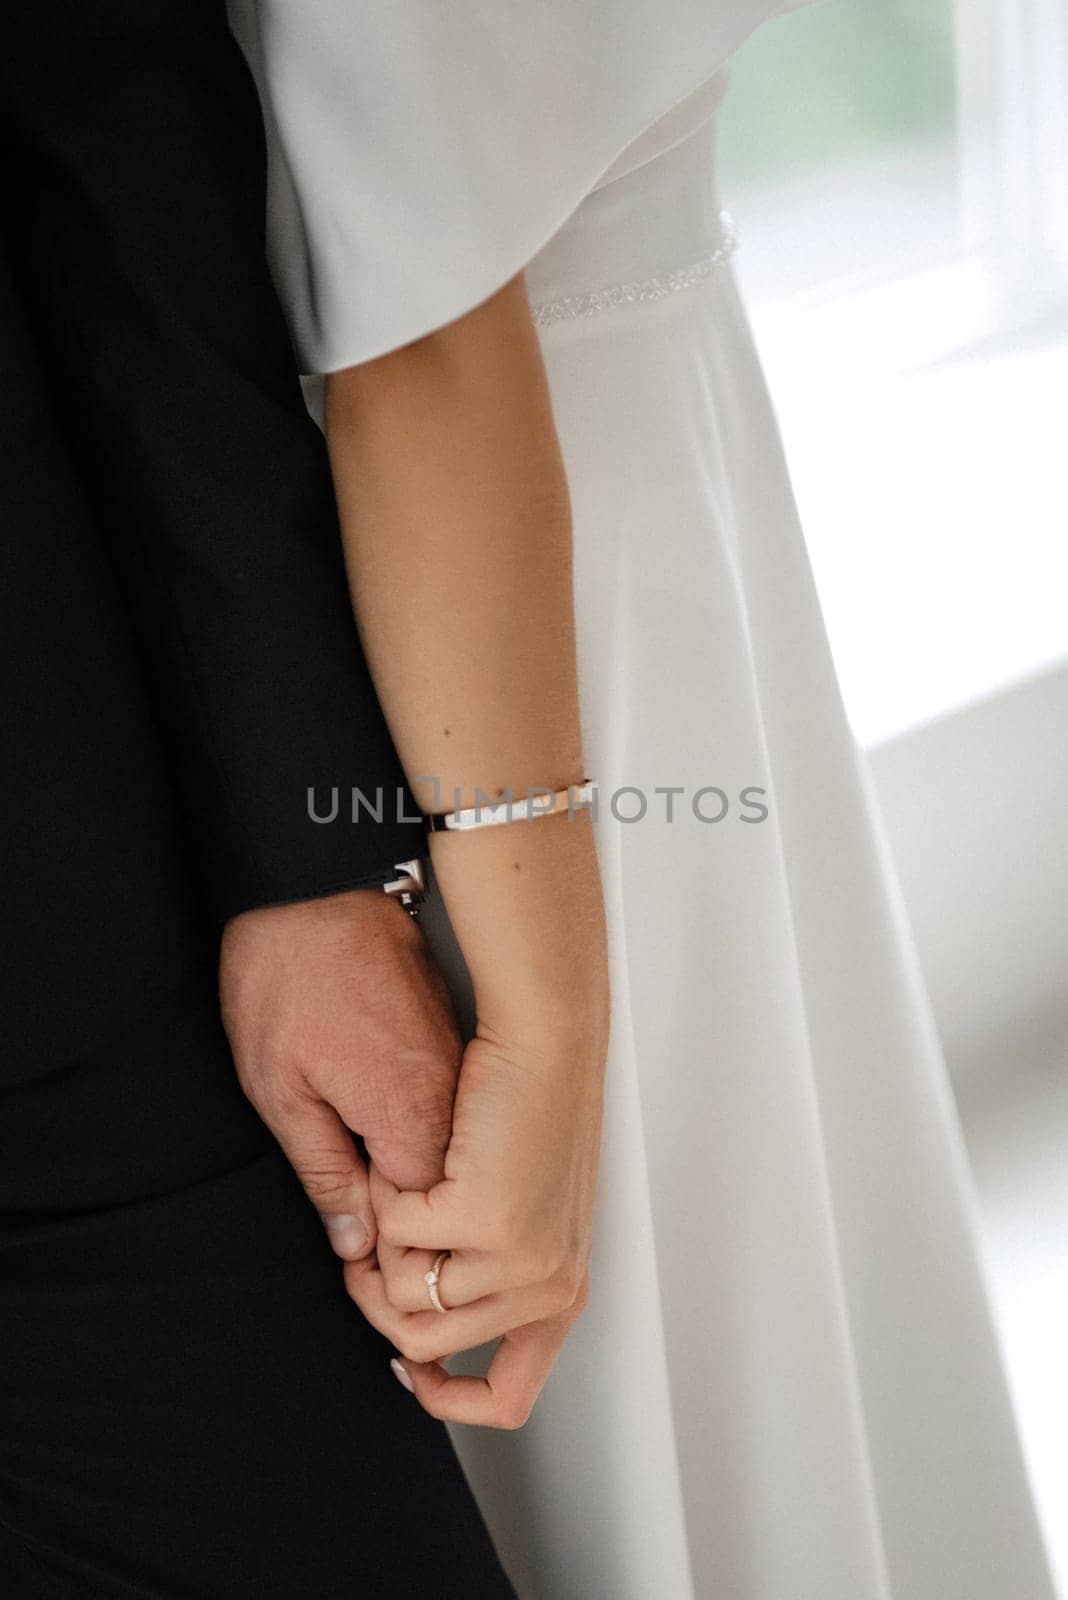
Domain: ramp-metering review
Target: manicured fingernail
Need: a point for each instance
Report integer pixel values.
(347, 1234)
(401, 1375)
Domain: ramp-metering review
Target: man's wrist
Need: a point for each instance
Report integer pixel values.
(374, 880)
(409, 885)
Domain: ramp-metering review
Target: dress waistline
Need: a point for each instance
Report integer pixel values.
(652, 226)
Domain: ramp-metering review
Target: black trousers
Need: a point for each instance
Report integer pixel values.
(190, 1407)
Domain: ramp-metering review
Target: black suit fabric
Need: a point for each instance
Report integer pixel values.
(190, 1406)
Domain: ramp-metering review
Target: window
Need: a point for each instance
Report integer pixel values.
(898, 170)
(842, 125)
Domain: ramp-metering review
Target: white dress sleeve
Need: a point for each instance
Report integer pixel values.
(423, 151)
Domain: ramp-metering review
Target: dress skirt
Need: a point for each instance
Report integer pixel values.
(787, 1385)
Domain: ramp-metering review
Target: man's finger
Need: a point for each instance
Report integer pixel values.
(322, 1153)
(432, 1221)
(416, 1160)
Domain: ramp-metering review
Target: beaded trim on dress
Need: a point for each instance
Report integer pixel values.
(615, 295)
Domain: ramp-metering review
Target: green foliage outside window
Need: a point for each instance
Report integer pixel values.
(837, 83)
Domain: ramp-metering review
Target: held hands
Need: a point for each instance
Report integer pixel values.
(340, 1023)
(514, 1210)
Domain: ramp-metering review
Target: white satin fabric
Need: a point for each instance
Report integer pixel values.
(425, 150)
(787, 1385)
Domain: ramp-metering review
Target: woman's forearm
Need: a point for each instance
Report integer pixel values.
(458, 542)
(457, 533)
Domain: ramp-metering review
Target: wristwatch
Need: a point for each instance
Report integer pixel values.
(409, 885)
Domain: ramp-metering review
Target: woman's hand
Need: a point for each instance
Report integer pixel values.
(457, 529)
(515, 1212)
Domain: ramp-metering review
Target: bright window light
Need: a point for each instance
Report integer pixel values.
(896, 170)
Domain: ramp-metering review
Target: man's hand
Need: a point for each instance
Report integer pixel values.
(340, 1023)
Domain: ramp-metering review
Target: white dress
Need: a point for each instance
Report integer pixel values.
(787, 1385)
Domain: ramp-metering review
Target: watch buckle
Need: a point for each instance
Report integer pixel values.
(409, 886)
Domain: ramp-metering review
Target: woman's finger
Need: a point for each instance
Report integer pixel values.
(505, 1397)
(425, 1336)
(464, 1276)
(433, 1221)
(404, 1274)
(403, 1267)
(400, 1265)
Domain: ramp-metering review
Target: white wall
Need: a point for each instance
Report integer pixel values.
(977, 808)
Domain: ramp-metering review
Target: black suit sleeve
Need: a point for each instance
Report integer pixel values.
(139, 229)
